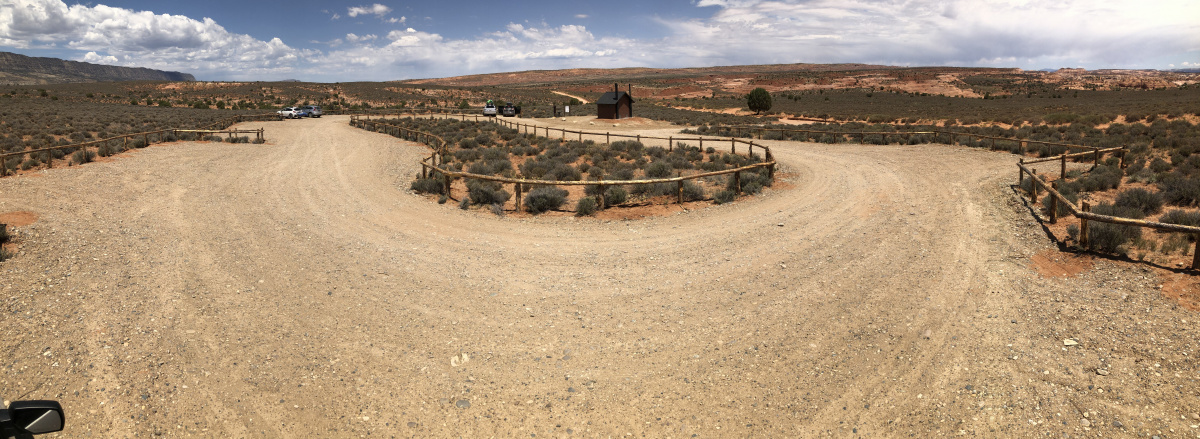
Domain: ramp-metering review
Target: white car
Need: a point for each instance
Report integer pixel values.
(289, 113)
(489, 109)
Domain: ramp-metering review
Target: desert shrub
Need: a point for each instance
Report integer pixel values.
(4, 235)
(692, 191)
(563, 172)
(83, 156)
(30, 163)
(106, 149)
(433, 185)
(1149, 203)
(467, 143)
(464, 203)
(586, 206)
(1073, 232)
(545, 198)
(658, 169)
(724, 196)
(5, 254)
(1108, 237)
(1181, 217)
(1101, 178)
(497, 209)
(615, 195)
(1179, 190)
(486, 192)
(139, 143)
(1158, 165)
(259, 141)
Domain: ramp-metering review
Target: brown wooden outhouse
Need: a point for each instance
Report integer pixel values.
(615, 104)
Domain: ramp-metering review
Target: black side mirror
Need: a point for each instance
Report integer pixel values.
(37, 417)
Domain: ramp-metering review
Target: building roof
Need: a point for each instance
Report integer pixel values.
(611, 98)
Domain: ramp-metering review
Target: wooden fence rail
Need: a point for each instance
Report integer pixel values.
(1084, 212)
(431, 165)
(147, 137)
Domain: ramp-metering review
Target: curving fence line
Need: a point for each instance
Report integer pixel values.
(432, 165)
(1083, 211)
(47, 157)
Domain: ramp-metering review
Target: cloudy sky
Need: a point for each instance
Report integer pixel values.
(336, 40)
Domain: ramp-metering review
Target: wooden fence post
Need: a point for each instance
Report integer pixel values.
(1053, 204)
(447, 176)
(1062, 172)
(679, 189)
(1196, 254)
(670, 142)
(732, 146)
(600, 197)
(1020, 175)
(1033, 184)
(606, 137)
(1083, 225)
(517, 189)
(1097, 154)
(737, 182)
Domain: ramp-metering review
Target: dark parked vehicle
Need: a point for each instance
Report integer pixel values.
(509, 110)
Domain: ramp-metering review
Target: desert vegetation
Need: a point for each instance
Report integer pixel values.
(493, 150)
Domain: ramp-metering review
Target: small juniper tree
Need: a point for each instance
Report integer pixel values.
(759, 100)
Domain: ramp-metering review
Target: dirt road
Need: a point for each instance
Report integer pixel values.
(296, 289)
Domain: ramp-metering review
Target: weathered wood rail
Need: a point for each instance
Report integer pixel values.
(432, 165)
(1083, 211)
(47, 157)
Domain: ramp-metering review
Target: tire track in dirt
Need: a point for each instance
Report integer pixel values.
(297, 288)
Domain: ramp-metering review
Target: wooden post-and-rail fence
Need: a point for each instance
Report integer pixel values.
(431, 166)
(149, 137)
(1083, 212)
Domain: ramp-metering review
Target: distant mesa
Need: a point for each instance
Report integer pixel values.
(17, 69)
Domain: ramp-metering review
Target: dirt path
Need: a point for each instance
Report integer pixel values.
(296, 289)
(585, 101)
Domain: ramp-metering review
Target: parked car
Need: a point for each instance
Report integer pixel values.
(509, 110)
(289, 113)
(489, 109)
(313, 110)
(301, 112)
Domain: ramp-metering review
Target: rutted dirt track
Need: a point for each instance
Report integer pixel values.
(296, 289)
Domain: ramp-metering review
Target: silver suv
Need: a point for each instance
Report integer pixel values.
(313, 110)
(289, 113)
(489, 109)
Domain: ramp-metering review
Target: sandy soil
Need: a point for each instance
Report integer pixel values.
(296, 289)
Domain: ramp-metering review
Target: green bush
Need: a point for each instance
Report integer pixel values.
(1181, 217)
(1109, 238)
(586, 206)
(724, 196)
(486, 192)
(1179, 190)
(1149, 203)
(434, 185)
(658, 169)
(692, 191)
(83, 156)
(545, 198)
(1101, 178)
(615, 195)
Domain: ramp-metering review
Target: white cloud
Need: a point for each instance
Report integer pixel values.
(1100, 33)
(93, 57)
(335, 16)
(376, 9)
(1017, 33)
(581, 16)
(143, 39)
